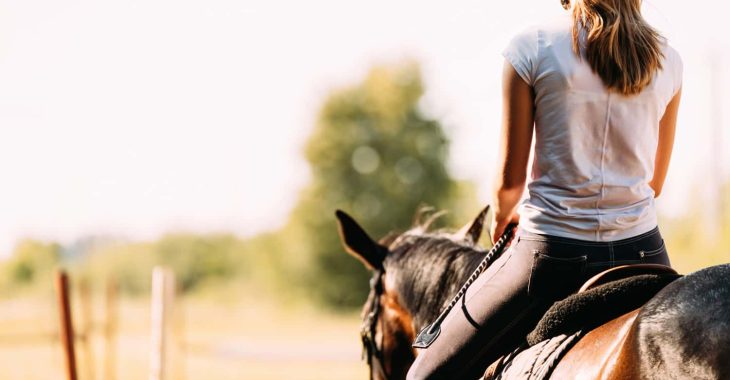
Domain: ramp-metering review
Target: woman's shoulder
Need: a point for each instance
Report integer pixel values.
(548, 30)
(671, 54)
(672, 63)
(525, 46)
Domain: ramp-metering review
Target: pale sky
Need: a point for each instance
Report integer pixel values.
(139, 117)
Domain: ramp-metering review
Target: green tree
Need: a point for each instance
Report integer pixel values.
(30, 261)
(374, 154)
(195, 259)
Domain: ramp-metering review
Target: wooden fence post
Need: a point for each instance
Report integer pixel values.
(67, 330)
(110, 330)
(86, 328)
(163, 291)
(179, 336)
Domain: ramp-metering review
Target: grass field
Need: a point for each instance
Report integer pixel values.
(217, 341)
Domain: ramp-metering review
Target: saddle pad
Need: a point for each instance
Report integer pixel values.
(533, 363)
(596, 306)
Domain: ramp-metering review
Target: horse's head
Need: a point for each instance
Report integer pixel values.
(414, 275)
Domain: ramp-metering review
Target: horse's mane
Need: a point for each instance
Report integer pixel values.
(429, 268)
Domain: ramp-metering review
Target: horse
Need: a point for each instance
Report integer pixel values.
(682, 332)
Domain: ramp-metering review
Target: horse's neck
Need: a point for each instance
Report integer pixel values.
(445, 282)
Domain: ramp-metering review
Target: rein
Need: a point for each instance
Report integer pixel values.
(370, 348)
(429, 333)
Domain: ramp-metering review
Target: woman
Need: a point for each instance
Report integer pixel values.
(602, 89)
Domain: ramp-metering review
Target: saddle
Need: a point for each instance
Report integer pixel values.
(624, 271)
(603, 297)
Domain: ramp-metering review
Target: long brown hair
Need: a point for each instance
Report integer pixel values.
(620, 46)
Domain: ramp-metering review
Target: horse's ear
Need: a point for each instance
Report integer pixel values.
(358, 243)
(471, 232)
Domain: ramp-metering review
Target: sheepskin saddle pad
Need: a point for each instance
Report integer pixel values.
(596, 306)
(603, 298)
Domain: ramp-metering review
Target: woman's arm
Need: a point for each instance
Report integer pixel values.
(514, 149)
(667, 128)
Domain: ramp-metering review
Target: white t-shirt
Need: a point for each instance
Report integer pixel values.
(594, 149)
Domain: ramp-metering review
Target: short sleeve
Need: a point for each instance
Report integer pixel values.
(677, 70)
(522, 52)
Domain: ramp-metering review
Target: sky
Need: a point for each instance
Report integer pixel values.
(138, 117)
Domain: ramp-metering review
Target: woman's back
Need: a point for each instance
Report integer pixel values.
(601, 100)
(594, 148)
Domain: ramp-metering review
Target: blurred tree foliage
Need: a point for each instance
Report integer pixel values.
(196, 260)
(690, 244)
(375, 155)
(31, 260)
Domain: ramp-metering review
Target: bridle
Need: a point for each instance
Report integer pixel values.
(370, 348)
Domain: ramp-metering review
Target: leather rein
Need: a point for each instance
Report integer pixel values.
(371, 351)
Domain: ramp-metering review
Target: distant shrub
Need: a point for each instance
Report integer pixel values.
(30, 260)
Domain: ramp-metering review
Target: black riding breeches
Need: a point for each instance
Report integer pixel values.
(508, 299)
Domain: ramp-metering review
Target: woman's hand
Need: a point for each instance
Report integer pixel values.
(499, 225)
